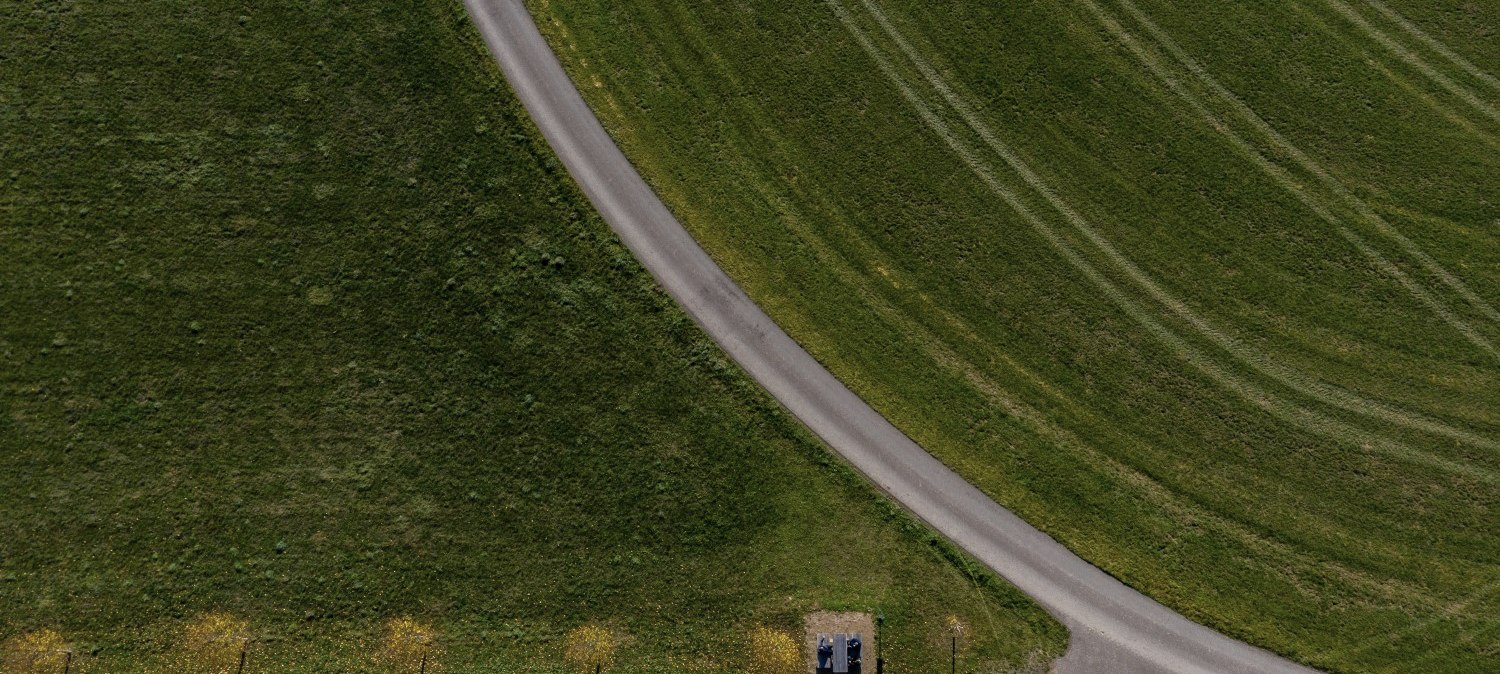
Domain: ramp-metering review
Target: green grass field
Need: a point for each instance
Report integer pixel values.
(1207, 291)
(300, 321)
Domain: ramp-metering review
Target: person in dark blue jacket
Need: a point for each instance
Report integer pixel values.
(825, 655)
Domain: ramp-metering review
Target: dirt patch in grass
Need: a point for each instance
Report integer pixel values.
(832, 622)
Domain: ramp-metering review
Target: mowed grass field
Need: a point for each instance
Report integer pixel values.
(300, 321)
(1207, 291)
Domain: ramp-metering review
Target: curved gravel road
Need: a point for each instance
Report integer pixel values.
(1114, 629)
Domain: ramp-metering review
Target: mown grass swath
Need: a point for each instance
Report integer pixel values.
(1209, 293)
(306, 332)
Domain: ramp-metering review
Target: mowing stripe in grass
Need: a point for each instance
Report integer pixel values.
(1435, 44)
(1302, 418)
(1302, 159)
(1413, 59)
(1297, 381)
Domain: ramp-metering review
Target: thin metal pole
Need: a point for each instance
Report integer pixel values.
(67, 661)
(242, 658)
(424, 662)
(953, 657)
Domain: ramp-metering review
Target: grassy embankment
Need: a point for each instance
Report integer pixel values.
(300, 321)
(1206, 291)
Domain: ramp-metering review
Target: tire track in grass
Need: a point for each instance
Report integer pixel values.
(1413, 83)
(1413, 59)
(1302, 159)
(1434, 44)
(1308, 420)
(1329, 394)
(1412, 88)
(1289, 182)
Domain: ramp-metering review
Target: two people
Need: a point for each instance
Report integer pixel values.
(850, 663)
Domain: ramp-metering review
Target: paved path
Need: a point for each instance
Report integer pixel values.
(1114, 629)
